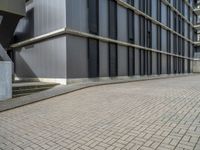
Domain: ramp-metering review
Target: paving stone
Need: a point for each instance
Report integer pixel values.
(156, 114)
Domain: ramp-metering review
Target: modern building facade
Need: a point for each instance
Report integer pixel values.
(197, 27)
(67, 40)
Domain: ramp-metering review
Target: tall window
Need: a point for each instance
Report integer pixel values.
(145, 38)
(183, 54)
(168, 40)
(131, 51)
(159, 56)
(189, 55)
(93, 18)
(149, 45)
(93, 44)
(112, 25)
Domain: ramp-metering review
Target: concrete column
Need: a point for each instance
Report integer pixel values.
(5, 80)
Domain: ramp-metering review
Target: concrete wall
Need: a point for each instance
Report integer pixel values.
(5, 80)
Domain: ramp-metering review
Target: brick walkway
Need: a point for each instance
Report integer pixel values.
(156, 114)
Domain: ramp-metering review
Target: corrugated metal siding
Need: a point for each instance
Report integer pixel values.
(137, 62)
(164, 64)
(122, 31)
(164, 40)
(103, 59)
(154, 63)
(49, 15)
(122, 61)
(43, 60)
(46, 59)
(77, 57)
(77, 15)
(103, 18)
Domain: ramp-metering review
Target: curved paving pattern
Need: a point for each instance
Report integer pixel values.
(156, 114)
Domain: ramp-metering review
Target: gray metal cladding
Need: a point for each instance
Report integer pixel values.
(172, 43)
(103, 18)
(49, 15)
(137, 62)
(46, 59)
(186, 48)
(137, 34)
(186, 65)
(154, 63)
(122, 61)
(77, 57)
(103, 59)
(172, 66)
(136, 3)
(164, 40)
(43, 16)
(154, 36)
(164, 14)
(122, 31)
(164, 64)
(42, 60)
(154, 9)
(77, 15)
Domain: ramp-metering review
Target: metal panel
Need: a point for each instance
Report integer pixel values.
(137, 62)
(154, 36)
(43, 16)
(77, 14)
(163, 13)
(113, 60)
(137, 34)
(122, 61)
(77, 57)
(103, 59)
(49, 15)
(164, 40)
(154, 9)
(42, 60)
(103, 18)
(136, 2)
(154, 63)
(122, 24)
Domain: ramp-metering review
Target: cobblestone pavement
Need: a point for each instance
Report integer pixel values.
(157, 114)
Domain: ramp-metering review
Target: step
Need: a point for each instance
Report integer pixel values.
(27, 88)
(30, 85)
(30, 90)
